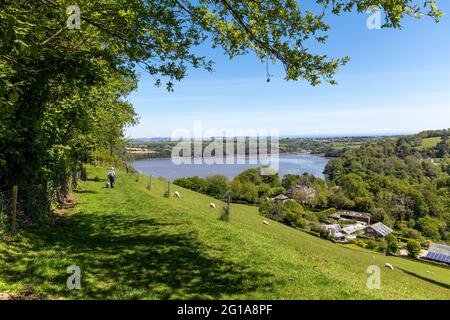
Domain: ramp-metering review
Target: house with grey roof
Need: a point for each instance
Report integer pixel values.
(438, 252)
(353, 215)
(308, 193)
(352, 231)
(281, 197)
(377, 230)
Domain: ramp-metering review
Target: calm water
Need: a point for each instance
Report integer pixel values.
(292, 163)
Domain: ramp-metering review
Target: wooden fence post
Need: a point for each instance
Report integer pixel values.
(14, 209)
(150, 183)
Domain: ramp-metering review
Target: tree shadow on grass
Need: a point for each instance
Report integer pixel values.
(441, 284)
(96, 179)
(121, 258)
(85, 191)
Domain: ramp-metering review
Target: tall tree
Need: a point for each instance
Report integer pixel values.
(49, 66)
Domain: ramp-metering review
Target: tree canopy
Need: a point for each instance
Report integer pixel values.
(63, 89)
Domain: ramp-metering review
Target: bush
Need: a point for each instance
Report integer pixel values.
(195, 183)
(414, 248)
(310, 216)
(323, 233)
(300, 223)
(412, 234)
(392, 244)
(360, 243)
(225, 216)
(217, 185)
(371, 244)
(382, 247)
(273, 210)
(272, 192)
(431, 227)
(328, 211)
(401, 225)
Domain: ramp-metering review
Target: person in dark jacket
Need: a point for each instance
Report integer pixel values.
(112, 177)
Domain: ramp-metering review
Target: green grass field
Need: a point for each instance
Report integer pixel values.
(428, 143)
(133, 243)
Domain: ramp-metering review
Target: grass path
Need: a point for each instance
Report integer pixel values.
(132, 243)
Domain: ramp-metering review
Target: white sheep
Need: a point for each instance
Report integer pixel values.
(212, 205)
(387, 264)
(177, 194)
(265, 222)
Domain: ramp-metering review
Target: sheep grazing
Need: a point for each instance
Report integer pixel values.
(212, 205)
(177, 194)
(389, 266)
(265, 222)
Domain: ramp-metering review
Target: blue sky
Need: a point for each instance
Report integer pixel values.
(397, 81)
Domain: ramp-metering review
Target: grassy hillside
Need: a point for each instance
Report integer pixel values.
(133, 243)
(428, 143)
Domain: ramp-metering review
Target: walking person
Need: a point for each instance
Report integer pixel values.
(111, 177)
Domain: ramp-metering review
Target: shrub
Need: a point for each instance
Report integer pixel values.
(310, 216)
(182, 182)
(328, 211)
(382, 247)
(273, 210)
(401, 225)
(294, 207)
(392, 244)
(225, 216)
(412, 234)
(371, 244)
(217, 185)
(300, 223)
(431, 227)
(360, 243)
(323, 233)
(414, 248)
(275, 191)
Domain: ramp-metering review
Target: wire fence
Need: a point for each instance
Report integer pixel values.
(5, 209)
(32, 204)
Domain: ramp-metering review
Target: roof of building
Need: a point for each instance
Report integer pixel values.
(438, 252)
(338, 235)
(335, 215)
(381, 229)
(303, 186)
(353, 228)
(333, 228)
(352, 236)
(281, 197)
(354, 214)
